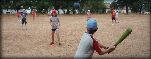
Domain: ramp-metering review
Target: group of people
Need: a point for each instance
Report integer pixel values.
(54, 21)
(22, 14)
(88, 44)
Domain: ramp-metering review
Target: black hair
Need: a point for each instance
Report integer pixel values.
(54, 15)
(90, 31)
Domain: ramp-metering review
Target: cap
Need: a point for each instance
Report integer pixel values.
(54, 11)
(88, 10)
(91, 24)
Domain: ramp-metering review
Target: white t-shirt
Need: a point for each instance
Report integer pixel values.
(85, 49)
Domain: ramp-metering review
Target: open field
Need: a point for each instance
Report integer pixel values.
(34, 42)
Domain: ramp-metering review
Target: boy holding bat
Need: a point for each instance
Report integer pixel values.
(88, 44)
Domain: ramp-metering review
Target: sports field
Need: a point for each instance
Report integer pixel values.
(34, 42)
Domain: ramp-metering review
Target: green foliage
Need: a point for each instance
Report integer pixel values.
(94, 5)
(134, 4)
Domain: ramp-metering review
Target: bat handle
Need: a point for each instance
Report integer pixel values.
(115, 46)
(111, 51)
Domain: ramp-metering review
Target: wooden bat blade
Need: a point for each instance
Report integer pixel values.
(125, 34)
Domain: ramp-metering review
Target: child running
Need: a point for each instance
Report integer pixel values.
(88, 44)
(23, 18)
(55, 23)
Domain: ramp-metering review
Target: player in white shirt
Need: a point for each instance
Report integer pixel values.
(116, 17)
(88, 44)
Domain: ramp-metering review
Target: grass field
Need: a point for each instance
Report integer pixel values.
(34, 42)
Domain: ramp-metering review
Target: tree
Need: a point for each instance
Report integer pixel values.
(136, 5)
(95, 6)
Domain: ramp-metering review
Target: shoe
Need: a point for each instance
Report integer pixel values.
(51, 43)
(59, 43)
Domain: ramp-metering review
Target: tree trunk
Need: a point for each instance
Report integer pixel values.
(126, 9)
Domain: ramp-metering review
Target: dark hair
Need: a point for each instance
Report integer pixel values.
(91, 31)
(54, 15)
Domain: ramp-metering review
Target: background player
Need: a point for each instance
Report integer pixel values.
(23, 19)
(55, 23)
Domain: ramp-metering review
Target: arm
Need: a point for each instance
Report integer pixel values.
(107, 50)
(102, 46)
(58, 22)
(103, 52)
(26, 14)
(20, 15)
(97, 48)
(50, 21)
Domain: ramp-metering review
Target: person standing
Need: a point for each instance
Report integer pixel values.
(55, 23)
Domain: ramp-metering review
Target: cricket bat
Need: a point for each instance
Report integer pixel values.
(125, 34)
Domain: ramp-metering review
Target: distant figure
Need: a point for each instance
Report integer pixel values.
(23, 18)
(113, 16)
(43, 11)
(49, 11)
(55, 23)
(116, 17)
(89, 15)
(18, 14)
(34, 13)
(20, 11)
